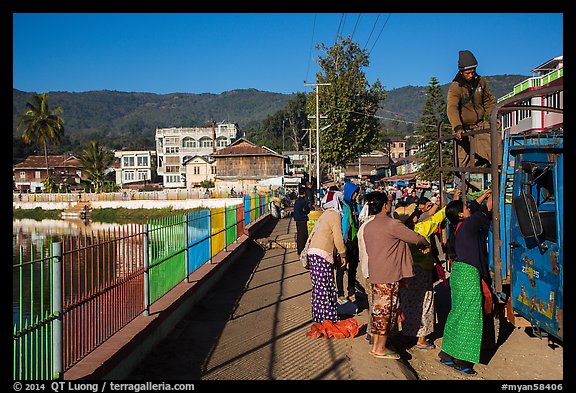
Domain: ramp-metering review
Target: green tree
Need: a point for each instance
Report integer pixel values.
(427, 133)
(49, 184)
(41, 124)
(287, 123)
(95, 161)
(349, 103)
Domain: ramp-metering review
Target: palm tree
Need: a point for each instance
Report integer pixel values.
(42, 124)
(95, 160)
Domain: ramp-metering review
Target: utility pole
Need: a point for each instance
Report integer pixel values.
(309, 152)
(283, 120)
(317, 133)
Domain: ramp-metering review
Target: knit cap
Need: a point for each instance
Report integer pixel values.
(466, 60)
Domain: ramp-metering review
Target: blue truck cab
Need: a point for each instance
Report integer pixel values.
(525, 242)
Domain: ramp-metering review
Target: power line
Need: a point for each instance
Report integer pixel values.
(356, 25)
(377, 38)
(311, 46)
(373, 27)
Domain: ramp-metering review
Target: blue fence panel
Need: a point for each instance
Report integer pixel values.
(247, 210)
(198, 238)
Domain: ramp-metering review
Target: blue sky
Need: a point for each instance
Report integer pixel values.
(216, 52)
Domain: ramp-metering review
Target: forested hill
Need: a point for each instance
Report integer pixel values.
(129, 119)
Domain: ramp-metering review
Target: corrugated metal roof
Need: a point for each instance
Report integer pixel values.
(33, 162)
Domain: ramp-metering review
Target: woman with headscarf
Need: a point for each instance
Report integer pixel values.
(326, 236)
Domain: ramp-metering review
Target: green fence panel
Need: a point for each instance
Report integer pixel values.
(167, 254)
(32, 314)
(230, 222)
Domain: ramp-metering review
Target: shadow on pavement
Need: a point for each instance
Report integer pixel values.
(186, 351)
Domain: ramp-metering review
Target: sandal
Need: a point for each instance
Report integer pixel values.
(427, 346)
(465, 370)
(389, 355)
(448, 363)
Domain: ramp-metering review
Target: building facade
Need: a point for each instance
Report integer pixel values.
(66, 170)
(199, 169)
(176, 145)
(243, 164)
(135, 167)
(548, 74)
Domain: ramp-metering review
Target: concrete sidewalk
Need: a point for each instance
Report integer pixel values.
(252, 327)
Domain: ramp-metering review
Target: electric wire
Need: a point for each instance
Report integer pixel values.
(381, 30)
(311, 47)
(372, 31)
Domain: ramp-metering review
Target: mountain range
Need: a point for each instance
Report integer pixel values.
(129, 119)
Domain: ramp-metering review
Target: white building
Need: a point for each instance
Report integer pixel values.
(135, 167)
(548, 74)
(176, 145)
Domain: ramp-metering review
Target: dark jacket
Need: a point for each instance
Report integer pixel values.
(301, 209)
(470, 242)
(473, 111)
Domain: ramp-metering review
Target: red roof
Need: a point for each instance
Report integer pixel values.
(34, 162)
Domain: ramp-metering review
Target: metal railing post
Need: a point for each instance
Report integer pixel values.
(57, 359)
(186, 265)
(146, 272)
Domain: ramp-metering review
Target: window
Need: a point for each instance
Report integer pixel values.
(22, 175)
(128, 175)
(128, 161)
(523, 114)
(553, 100)
(205, 142)
(142, 175)
(188, 142)
(142, 160)
(172, 150)
(37, 174)
(173, 179)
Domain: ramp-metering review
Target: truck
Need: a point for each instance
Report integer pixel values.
(525, 240)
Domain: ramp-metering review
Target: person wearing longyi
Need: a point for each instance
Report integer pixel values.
(385, 250)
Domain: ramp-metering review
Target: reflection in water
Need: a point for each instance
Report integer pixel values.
(32, 242)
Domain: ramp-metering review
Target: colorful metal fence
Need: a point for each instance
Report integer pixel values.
(102, 287)
(104, 280)
(32, 336)
(167, 254)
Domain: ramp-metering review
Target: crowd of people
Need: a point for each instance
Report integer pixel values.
(383, 243)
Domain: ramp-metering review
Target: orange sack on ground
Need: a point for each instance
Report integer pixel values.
(341, 329)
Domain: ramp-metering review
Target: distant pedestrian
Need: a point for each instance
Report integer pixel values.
(300, 213)
(310, 195)
(461, 344)
(326, 236)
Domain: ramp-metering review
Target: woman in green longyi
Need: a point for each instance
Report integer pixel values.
(462, 338)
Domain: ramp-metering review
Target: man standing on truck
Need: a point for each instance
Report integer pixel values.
(468, 106)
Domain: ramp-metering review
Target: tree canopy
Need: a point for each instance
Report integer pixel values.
(349, 103)
(42, 125)
(427, 133)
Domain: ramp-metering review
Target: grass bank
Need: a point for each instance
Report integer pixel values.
(137, 216)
